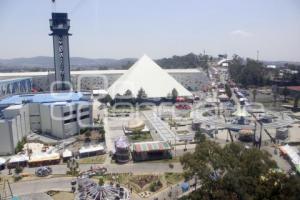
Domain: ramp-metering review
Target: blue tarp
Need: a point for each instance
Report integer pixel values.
(185, 186)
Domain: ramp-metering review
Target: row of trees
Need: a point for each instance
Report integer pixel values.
(249, 73)
(190, 60)
(128, 96)
(290, 78)
(234, 172)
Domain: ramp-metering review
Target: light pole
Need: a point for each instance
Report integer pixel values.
(196, 175)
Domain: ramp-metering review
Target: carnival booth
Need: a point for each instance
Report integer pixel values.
(17, 161)
(67, 155)
(91, 151)
(42, 159)
(153, 150)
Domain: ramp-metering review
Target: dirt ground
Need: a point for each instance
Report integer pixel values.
(63, 195)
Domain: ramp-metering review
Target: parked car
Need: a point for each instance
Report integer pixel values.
(183, 107)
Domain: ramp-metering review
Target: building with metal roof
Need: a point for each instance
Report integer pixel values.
(57, 114)
(153, 150)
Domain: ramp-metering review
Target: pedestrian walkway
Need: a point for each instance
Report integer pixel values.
(160, 127)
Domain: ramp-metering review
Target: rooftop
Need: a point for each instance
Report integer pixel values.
(151, 146)
(42, 98)
(13, 79)
(294, 88)
(14, 107)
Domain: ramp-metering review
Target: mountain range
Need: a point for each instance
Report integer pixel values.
(42, 63)
(45, 62)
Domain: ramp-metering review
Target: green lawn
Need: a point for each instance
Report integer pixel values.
(173, 178)
(138, 137)
(92, 160)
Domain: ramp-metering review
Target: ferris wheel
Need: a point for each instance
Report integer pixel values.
(89, 190)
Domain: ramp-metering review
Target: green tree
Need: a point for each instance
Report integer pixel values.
(174, 94)
(248, 73)
(141, 95)
(18, 170)
(296, 100)
(285, 93)
(254, 93)
(228, 91)
(20, 145)
(234, 172)
(87, 135)
(199, 137)
(101, 181)
(73, 167)
(275, 93)
(106, 99)
(128, 93)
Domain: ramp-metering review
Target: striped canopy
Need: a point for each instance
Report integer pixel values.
(151, 146)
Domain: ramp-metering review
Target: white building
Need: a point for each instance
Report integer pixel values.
(57, 114)
(14, 125)
(191, 79)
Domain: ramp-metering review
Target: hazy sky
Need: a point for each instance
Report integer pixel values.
(159, 28)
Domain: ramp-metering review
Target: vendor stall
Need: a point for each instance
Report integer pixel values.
(17, 161)
(153, 150)
(91, 151)
(66, 155)
(42, 159)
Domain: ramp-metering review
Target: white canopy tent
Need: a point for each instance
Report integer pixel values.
(146, 74)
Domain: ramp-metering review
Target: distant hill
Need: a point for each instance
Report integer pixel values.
(280, 63)
(41, 63)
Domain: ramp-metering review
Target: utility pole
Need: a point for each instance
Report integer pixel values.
(5, 189)
(257, 55)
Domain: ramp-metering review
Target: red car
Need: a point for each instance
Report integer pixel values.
(183, 107)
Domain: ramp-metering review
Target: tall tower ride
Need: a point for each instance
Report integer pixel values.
(60, 25)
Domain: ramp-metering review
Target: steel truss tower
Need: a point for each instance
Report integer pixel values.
(60, 25)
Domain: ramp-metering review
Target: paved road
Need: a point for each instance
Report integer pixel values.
(40, 186)
(135, 168)
(63, 184)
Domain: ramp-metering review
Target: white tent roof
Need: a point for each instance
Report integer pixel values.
(67, 153)
(146, 74)
(2, 161)
(241, 112)
(18, 158)
(91, 149)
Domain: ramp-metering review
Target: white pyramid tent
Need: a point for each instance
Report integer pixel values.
(146, 74)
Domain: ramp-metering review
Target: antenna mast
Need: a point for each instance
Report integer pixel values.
(53, 6)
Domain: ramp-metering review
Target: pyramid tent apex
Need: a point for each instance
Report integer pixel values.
(146, 74)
